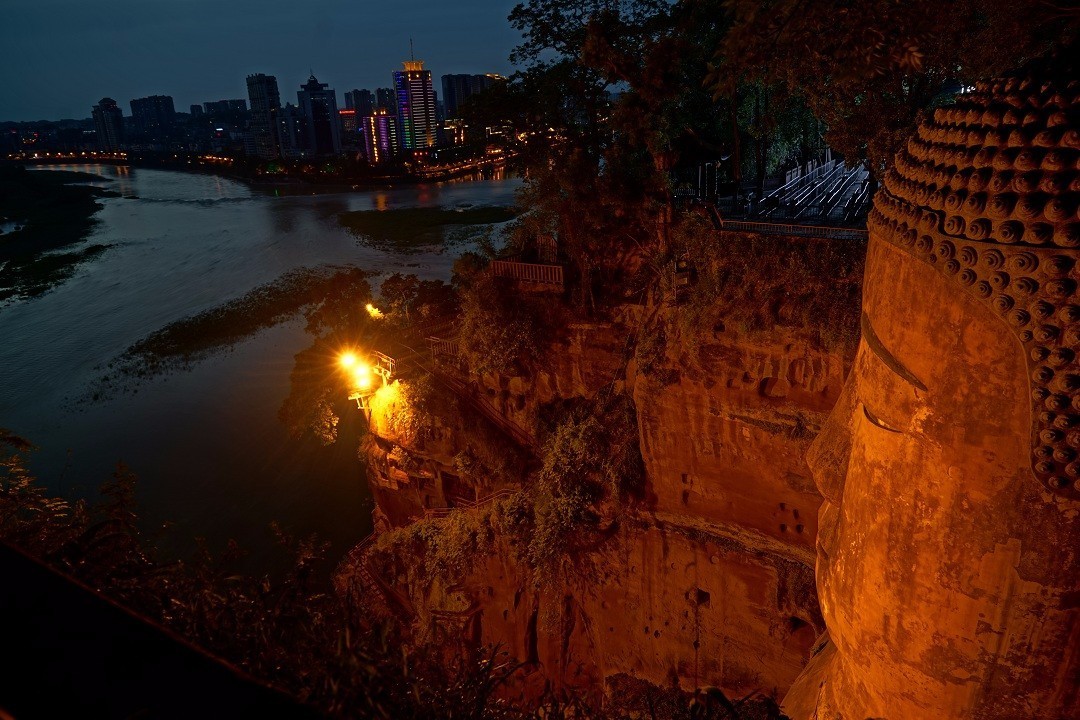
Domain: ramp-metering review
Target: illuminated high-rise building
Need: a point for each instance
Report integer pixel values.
(380, 136)
(265, 106)
(350, 129)
(109, 123)
(416, 106)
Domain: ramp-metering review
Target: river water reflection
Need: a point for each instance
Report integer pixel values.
(207, 447)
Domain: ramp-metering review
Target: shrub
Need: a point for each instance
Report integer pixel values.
(288, 630)
(757, 282)
(499, 332)
(591, 468)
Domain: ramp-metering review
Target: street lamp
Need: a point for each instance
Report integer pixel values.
(361, 375)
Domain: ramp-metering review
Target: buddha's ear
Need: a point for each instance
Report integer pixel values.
(829, 453)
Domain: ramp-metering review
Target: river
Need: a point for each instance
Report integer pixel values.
(211, 457)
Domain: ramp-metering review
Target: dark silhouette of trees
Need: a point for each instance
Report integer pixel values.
(867, 69)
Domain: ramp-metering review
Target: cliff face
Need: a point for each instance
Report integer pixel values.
(724, 443)
(587, 357)
(660, 603)
(708, 580)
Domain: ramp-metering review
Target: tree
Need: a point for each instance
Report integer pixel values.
(617, 99)
(867, 69)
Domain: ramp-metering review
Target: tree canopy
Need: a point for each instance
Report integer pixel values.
(867, 69)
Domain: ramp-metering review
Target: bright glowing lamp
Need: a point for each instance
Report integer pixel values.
(362, 376)
(347, 360)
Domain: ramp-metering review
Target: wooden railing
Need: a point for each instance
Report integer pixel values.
(815, 231)
(528, 272)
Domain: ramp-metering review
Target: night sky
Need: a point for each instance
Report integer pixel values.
(59, 57)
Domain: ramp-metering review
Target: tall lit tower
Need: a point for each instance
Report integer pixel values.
(416, 106)
(379, 131)
(265, 103)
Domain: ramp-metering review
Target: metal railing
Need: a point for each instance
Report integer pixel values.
(528, 272)
(814, 231)
(356, 559)
(439, 346)
(470, 504)
(468, 394)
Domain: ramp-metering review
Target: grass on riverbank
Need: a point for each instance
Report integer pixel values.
(413, 228)
(53, 214)
(181, 344)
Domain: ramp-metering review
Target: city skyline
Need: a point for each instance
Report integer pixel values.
(60, 68)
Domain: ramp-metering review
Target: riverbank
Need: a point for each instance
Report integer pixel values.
(181, 344)
(334, 175)
(51, 211)
(409, 229)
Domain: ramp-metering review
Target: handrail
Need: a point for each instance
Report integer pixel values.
(801, 179)
(528, 272)
(816, 231)
(440, 346)
(486, 409)
(833, 198)
(471, 505)
(356, 558)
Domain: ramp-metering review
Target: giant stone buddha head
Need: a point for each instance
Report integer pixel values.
(948, 567)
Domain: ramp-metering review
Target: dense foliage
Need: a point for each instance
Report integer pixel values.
(808, 286)
(498, 331)
(867, 69)
(288, 631)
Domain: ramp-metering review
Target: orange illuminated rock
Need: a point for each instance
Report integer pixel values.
(947, 545)
(726, 445)
(675, 608)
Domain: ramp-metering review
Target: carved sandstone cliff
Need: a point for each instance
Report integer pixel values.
(706, 580)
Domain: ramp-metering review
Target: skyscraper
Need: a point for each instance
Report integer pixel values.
(458, 87)
(350, 129)
(362, 101)
(416, 106)
(384, 98)
(265, 106)
(319, 106)
(380, 136)
(224, 107)
(109, 123)
(154, 118)
(292, 132)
